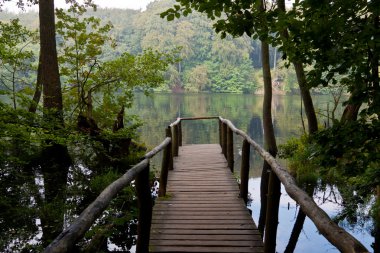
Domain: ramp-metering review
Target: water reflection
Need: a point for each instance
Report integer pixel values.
(245, 112)
(255, 129)
(310, 240)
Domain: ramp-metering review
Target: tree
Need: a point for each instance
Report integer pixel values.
(340, 40)
(82, 40)
(198, 79)
(246, 17)
(15, 58)
(96, 88)
(52, 91)
(235, 22)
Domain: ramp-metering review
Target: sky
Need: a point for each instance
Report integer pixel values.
(123, 4)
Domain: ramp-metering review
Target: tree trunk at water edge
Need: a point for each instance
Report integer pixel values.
(350, 113)
(306, 97)
(38, 91)
(49, 61)
(302, 83)
(274, 185)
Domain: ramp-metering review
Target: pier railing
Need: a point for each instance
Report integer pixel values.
(336, 235)
(65, 242)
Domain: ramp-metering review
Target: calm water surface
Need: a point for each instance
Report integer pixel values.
(245, 111)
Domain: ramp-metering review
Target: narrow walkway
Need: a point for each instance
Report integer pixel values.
(203, 211)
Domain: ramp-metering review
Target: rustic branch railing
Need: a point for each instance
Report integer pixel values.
(170, 146)
(336, 235)
(66, 241)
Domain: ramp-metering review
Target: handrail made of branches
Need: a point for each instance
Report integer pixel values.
(69, 237)
(330, 230)
(336, 235)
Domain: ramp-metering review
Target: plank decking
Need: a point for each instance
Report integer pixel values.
(203, 211)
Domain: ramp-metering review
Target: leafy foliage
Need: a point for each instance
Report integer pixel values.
(350, 159)
(96, 87)
(301, 157)
(353, 154)
(341, 156)
(16, 60)
(32, 147)
(340, 39)
(81, 43)
(135, 31)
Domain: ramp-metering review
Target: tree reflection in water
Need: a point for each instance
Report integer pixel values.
(41, 196)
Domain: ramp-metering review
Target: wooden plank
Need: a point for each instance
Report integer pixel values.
(202, 183)
(202, 201)
(199, 214)
(201, 221)
(198, 237)
(177, 216)
(246, 226)
(203, 211)
(246, 243)
(204, 232)
(216, 194)
(206, 249)
(199, 205)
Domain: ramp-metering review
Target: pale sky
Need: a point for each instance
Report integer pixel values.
(123, 4)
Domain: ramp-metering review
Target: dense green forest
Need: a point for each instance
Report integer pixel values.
(207, 63)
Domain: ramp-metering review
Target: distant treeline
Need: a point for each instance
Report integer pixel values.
(207, 62)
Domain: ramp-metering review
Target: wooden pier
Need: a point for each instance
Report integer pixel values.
(201, 208)
(202, 211)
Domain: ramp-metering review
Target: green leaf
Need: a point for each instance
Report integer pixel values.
(170, 17)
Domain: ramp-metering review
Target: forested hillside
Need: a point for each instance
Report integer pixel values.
(207, 63)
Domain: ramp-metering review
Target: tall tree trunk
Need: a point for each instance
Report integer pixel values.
(274, 185)
(269, 181)
(263, 196)
(89, 105)
(49, 62)
(312, 121)
(350, 112)
(312, 128)
(375, 54)
(38, 91)
(302, 83)
(55, 157)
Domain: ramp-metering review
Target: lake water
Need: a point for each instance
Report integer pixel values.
(245, 111)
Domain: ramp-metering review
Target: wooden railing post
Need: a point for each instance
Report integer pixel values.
(165, 166)
(175, 140)
(244, 171)
(170, 148)
(180, 133)
(145, 210)
(224, 139)
(220, 133)
(230, 148)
